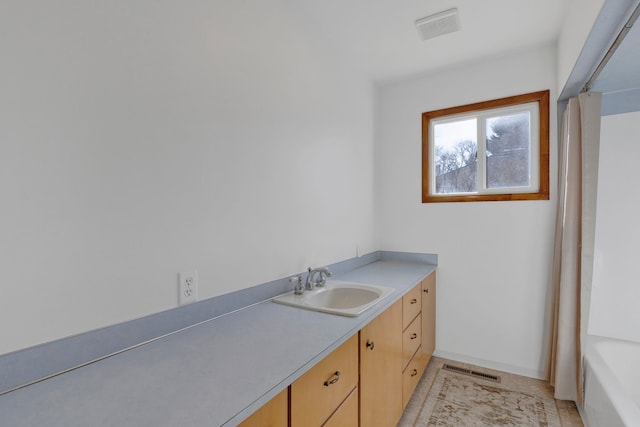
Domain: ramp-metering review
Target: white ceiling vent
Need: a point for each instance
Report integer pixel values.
(438, 24)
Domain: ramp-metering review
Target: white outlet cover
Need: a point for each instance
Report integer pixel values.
(187, 287)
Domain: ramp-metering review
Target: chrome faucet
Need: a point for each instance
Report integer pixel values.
(313, 281)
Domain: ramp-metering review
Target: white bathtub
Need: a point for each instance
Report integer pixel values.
(612, 383)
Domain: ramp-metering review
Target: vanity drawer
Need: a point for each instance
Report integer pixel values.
(319, 392)
(410, 378)
(347, 414)
(411, 305)
(273, 413)
(411, 340)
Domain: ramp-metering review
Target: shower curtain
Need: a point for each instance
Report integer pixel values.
(574, 242)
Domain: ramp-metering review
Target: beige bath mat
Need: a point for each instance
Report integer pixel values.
(461, 400)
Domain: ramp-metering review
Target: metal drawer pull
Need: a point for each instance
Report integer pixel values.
(414, 336)
(414, 301)
(426, 291)
(334, 379)
(414, 372)
(370, 345)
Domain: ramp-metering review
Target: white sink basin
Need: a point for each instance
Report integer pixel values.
(335, 297)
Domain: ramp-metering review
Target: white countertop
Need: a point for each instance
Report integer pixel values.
(212, 374)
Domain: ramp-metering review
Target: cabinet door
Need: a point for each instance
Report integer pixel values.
(319, 392)
(428, 316)
(381, 369)
(274, 413)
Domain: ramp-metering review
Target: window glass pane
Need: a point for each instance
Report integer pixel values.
(508, 151)
(455, 151)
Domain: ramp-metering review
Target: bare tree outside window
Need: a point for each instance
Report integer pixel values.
(456, 168)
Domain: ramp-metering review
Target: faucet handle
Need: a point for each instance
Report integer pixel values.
(323, 273)
(298, 289)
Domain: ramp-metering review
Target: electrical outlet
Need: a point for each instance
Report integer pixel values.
(187, 287)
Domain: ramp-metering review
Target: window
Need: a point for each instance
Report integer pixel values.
(493, 150)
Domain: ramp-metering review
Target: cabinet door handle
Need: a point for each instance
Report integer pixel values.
(371, 345)
(414, 372)
(334, 379)
(414, 301)
(426, 291)
(414, 336)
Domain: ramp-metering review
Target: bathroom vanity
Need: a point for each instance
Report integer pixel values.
(264, 361)
(370, 377)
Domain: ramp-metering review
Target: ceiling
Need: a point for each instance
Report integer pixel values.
(380, 38)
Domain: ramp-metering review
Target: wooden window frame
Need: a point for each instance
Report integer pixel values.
(542, 98)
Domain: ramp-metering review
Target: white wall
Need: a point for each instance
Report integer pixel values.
(144, 138)
(578, 22)
(494, 257)
(616, 290)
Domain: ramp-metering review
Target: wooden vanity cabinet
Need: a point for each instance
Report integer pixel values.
(324, 391)
(417, 354)
(381, 369)
(428, 316)
(412, 360)
(274, 413)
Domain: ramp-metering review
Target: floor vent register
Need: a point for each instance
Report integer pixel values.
(464, 371)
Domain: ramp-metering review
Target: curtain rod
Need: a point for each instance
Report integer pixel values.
(612, 49)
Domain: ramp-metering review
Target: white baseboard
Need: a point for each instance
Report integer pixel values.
(518, 370)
